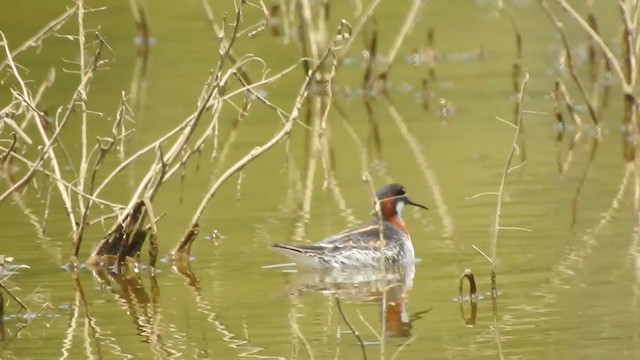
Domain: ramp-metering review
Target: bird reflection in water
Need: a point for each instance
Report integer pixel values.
(390, 286)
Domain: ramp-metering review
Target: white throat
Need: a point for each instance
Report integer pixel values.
(399, 207)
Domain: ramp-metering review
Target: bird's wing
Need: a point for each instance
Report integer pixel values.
(364, 237)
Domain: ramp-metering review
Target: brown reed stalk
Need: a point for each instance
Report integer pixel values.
(2, 331)
(132, 245)
(599, 75)
(593, 50)
(139, 13)
(561, 96)
(1, 303)
(376, 138)
(371, 45)
(556, 95)
(595, 144)
(425, 94)
(626, 70)
(516, 76)
(431, 53)
(138, 85)
(613, 61)
(606, 83)
(557, 110)
(570, 106)
(570, 63)
(629, 61)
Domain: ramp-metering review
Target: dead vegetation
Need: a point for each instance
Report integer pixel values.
(324, 43)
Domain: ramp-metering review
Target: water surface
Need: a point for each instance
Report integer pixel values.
(568, 287)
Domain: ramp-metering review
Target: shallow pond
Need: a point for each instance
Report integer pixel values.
(569, 283)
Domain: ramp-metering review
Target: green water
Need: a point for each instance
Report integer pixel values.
(568, 288)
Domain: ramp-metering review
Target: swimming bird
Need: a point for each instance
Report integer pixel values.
(387, 235)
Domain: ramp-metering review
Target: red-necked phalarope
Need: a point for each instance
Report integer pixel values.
(361, 246)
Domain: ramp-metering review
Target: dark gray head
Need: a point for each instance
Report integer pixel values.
(391, 199)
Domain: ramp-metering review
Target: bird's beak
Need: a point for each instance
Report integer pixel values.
(409, 202)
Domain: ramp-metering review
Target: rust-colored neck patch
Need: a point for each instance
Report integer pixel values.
(388, 208)
(395, 220)
(390, 213)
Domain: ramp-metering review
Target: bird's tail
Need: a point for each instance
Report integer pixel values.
(286, 248)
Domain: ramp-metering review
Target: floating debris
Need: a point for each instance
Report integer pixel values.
(73, 267)
(10, 269)
(405, 87)
(477, 297)
(168, 260)
(214, 237)
(139, 40)
(274, 266)
(446, 108)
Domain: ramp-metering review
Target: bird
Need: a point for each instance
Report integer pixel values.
(363, 246)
